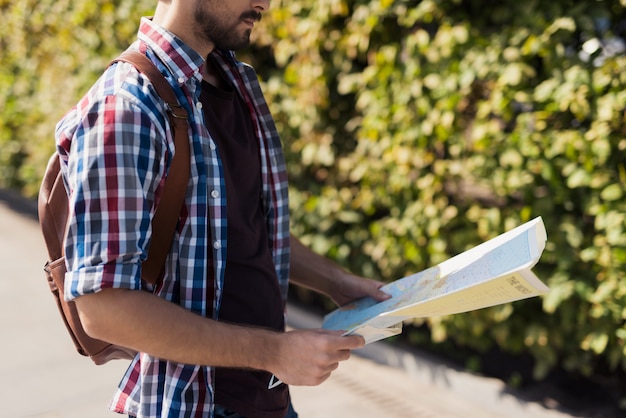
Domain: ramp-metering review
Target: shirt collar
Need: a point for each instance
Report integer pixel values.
(183, 61)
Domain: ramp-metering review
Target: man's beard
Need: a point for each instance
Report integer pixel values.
(222, 35)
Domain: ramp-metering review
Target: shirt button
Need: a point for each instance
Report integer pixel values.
(212, 145)
(217, 245)
(215, 194)
(199, 105)
(181, 80)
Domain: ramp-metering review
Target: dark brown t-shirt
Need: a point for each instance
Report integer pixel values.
(251, 293)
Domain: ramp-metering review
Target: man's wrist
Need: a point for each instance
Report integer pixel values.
(261, 348)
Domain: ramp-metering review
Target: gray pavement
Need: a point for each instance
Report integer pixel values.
(43, 377)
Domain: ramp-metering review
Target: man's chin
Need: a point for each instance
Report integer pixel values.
(243, 43)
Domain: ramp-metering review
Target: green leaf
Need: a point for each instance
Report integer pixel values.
(613, 192)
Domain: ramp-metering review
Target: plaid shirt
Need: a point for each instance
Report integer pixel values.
(115, 147)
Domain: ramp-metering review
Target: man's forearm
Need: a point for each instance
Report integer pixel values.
(147, 323)
(315, 272)
(311, 270)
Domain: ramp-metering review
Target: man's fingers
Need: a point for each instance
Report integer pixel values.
(312, 355)
(380, 296)
(350, 342)
(341, 342)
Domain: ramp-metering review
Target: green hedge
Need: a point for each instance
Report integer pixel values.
(414, 130)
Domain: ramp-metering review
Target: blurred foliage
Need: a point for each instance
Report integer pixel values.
(51, 51)
(417, 129)
(414, 130)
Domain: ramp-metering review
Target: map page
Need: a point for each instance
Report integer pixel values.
(495, 272)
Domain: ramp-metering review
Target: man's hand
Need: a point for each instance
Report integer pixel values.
(308, 357)
(311, 270)
(348, 287)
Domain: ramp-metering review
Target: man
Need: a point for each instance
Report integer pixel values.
(211, 336)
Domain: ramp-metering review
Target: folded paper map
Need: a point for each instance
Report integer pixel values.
(494, 272)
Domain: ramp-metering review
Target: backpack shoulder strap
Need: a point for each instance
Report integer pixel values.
(173, 196)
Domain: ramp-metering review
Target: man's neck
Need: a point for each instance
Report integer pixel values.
(172, 17)
(212, 75)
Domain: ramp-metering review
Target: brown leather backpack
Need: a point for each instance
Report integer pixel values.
(53, 213)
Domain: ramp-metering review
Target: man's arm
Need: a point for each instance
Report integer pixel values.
(147, 323)
(311, 270)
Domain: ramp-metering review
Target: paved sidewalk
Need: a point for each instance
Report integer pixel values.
(43, 377)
